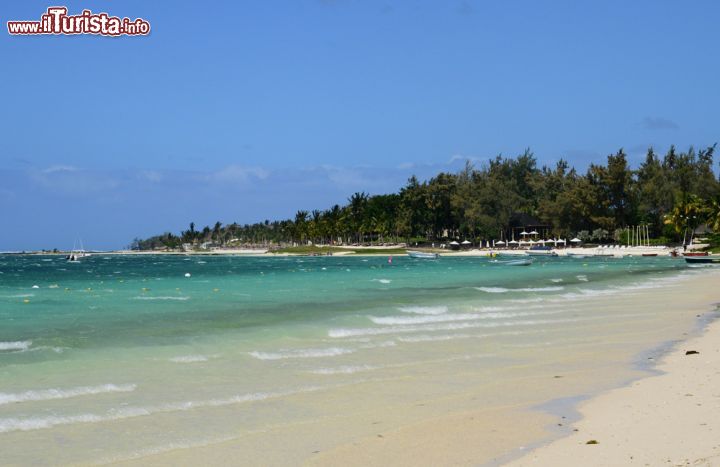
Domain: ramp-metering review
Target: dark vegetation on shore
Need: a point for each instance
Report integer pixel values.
(672, 195)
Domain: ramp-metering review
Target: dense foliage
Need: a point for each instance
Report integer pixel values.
(668, 194)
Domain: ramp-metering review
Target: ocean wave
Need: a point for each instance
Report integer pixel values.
(162, 298)
(612, 290)
(382, 281)
(38, 423)
(54, 393)
(344, 370)
(339, 333)
(301, 353)
(436, 338)
(521, 289)
(424, 310)
(392, 320)
(492, 289)
(379, 345)
(18, 345)
(189, 359)
(527, 300)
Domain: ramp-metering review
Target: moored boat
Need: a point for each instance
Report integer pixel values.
(540, 250)
(422, 254)
(695, 253)
(707, 259)
(513, 262)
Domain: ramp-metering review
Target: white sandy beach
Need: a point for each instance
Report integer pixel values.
(670, 419)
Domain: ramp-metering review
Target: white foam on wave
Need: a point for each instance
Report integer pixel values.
(582, 278)
(340, 333)
(492, 289)
(189, 359)
(301, 353)
(382, 281)
(344, 370)
(424, 310)
(527, 300)
(556, 280)
(54, 393)
(379, 345)
(162, 298)
(38, 423)
(435, 338)
(521, 289)
(17, 345)
(589, 293)
(393, 320)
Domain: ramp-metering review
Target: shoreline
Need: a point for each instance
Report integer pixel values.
(665, 417)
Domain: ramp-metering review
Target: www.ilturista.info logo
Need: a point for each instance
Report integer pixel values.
(57, 21)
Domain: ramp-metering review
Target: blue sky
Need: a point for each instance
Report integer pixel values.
(242, 111)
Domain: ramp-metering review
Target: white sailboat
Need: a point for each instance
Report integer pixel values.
(76, 254)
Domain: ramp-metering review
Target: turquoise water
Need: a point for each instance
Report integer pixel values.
(147, 300)
(134, 345)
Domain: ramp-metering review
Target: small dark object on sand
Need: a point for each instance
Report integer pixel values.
(692, 352)
(592, 441)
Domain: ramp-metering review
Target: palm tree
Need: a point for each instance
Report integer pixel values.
(301, 225)
(712, 212)
(357, 203)
(686, 215)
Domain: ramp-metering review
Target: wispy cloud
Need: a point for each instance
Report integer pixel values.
(70, 180)
(150, 175)
(59, 168)
(462, 158)
(238, 173)
(659, 123)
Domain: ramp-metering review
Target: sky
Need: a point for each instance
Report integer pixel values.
(241, 111)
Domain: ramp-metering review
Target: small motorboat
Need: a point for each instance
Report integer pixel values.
(513, 262)
(706, 259)
(422, 254)
(695, 253)
(649, 254)
(540, 250)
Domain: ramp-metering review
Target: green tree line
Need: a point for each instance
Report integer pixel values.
(670, 194)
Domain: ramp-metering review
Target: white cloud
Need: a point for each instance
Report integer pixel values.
(150, 175)
(237, 173)
(59, 168)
